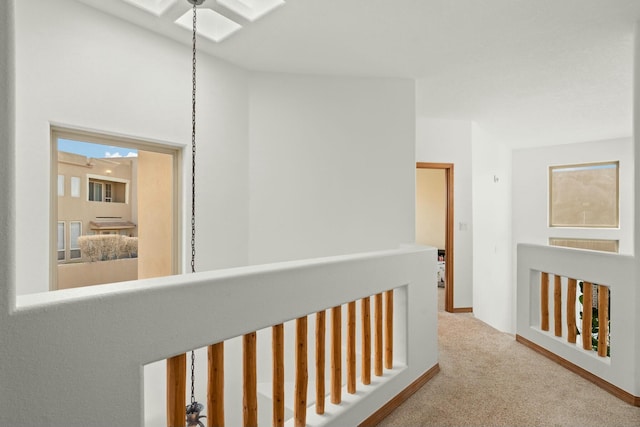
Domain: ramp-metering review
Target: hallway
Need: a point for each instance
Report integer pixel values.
(488, 379)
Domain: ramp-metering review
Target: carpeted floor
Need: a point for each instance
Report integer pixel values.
(488, 379)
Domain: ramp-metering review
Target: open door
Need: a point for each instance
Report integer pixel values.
(447, 215)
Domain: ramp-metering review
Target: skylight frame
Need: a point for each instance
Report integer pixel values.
(251, 10)
(211, 24)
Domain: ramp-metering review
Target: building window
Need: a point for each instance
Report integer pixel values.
(60, 185)
(75, 231)
(584, 195)
(75, 186)
(603, 245)
(95, 191)
(61, 239)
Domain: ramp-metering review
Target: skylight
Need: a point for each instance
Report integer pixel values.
(156, 7)
(251, 9)
(211, 24)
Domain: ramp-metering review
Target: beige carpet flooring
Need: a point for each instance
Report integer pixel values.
(486, 378)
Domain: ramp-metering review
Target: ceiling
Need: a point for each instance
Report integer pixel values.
(529, 72)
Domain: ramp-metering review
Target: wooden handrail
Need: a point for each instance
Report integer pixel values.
(176, 390)
(336, 354)
(383, 358)
(603, 320)
(377, 299)
(388, 330)
(365, 305)
(587, 304)
(544, 301)
(571, 310)
(302, 375)
(351, 347)
(320, 360)
(277, 345)
(249, 381)
(557, 305)
(215, 386)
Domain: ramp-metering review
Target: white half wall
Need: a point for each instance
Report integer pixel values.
(494, 295)
(449, 141)
(82, 68)
(331, 165)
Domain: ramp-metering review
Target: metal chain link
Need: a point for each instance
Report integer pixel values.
(193, 147)
(193, 184)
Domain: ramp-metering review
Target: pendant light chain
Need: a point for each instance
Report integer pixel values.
(193, 184)
(193, 147)
(193, 410)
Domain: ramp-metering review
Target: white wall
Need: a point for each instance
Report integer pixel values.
(332, 165)
(449, 141)
(494, 295)
(79, 67)
(530, 190)
(636, 157)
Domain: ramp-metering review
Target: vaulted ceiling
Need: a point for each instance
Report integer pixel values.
(530, 72)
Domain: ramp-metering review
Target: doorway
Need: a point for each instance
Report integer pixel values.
(443, 208)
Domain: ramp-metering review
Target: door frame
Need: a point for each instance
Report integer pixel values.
(449, 252)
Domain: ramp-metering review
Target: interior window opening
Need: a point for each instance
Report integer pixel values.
(119, 219)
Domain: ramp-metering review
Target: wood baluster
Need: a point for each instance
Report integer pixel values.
(557, 305)
(388, 330)
(320, 361)
(603, 320)
(351, 347)
(176, 390)
(377, 300)
(215, 386)
(366, 340)
(336, 354)
(571, 310)
(302, 375)
(587, 304)
(249, 381)
(544, 301)
(277, 347)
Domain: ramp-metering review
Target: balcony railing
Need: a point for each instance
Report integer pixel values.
(594, 296)
(382, 356)
(103, 338)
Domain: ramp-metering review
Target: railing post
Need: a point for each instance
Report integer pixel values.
(388, 330)
(302, 375)
(377, 300)
(571, 310)
(366, 340)
(215, 386)
(277, 344)
(557, 305)
(176, 390)
(351, 347)
(336, 354)
(587, 305)
(603, 320)
(320, 360)
(544, 301)
(249, 381)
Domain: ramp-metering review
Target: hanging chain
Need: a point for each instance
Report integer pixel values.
(193, 185)
(193, 147)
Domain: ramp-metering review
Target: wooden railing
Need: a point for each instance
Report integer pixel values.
(382, 356)
(588, 321)
(585, 318)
